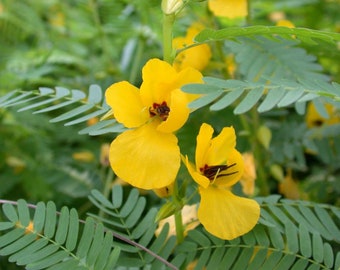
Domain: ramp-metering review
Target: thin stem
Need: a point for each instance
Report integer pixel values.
(168, 53)
(178, 214)
(135, 69)
(179, 226)
(107, 188)
(248, 19)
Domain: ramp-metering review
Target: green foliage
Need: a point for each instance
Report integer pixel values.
(128, 217)
(53, 240)
(88, 107)
(71, 51)
(290, 235)
(309, 36)
(290, 77)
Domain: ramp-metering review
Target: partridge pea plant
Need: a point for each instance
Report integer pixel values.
(208, 134)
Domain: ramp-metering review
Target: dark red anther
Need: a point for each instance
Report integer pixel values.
(162, 110)
(213, 172)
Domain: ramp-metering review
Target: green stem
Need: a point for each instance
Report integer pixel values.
(257, 150)
(135, 69)
(248, 19)
(178, 214)
(179, 226)
(107, 188)
(168, 22)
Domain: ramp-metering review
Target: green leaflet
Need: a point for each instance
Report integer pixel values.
(309, 36)
(268, 247)
(44, 247)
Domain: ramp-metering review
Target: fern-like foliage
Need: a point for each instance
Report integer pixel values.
(84, 107)
(53, 240)
(308, 36)
(291, 235)
(274, 74)
(127, 216)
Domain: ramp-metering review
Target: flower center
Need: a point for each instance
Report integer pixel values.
(162, 110)
(213, 172)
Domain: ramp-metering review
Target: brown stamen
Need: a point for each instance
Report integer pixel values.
(162, 110)
(213, 172)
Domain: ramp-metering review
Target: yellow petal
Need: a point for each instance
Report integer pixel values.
(249, 174)
(158, 77)
(127, 106)
(228, 8)
(225, 215)
(179, 112)
(221, 146)
(203, 143)
(145, 157)
(198, 178)
(188, 75)
(234, 173)
(196, 57)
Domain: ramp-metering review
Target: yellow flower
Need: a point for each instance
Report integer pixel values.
(104, 155)
(147, 155)
(285, 23)
(83, 156)
(228, 8)
(218, 167)
(314, 119)
(249, 174)
(197, 57)
(290, 188)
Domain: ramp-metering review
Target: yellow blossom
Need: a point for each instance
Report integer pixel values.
(228, 8)
(104, 154)
(249, 174)
(230, 65)
(285, 23)
(314, 119)
(147, 155)
(218, 167)
(197, 57)
(83, 156)
(16, 163)
(290, 188)
(189, 219)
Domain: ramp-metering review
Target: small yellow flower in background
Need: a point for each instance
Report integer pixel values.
(218, 167)
(189, 219)
(92, 121)
(314, 119)
(230, 65)
(104, 155)
(197, 57)
(228, 8)
(290, 188)
(83, 156)
(285, 23)
(16, 163)
(147, 155)
(249, 174)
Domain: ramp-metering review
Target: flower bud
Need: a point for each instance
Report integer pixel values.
(171, 6)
